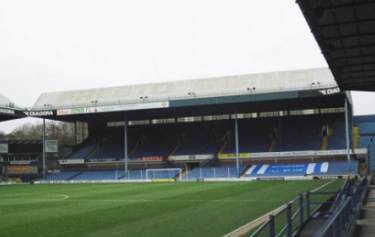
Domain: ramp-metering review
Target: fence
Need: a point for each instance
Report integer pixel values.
(342, 221)
(295, 214)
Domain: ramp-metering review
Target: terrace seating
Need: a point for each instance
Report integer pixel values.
(212, 172)
(280, 134)
(342, 168)
(337, 139)
(83, 151)
(59, 176)
(165, 174)
(99, 175)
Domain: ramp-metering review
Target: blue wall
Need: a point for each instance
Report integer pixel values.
(367, 132)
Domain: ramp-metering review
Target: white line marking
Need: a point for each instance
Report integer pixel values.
(164, 200)
(64, 197)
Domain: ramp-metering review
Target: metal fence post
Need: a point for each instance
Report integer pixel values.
(301, 209)
(308, 207)
(289, 220)
(272, 226)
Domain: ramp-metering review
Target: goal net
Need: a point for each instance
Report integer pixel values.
(166, 173)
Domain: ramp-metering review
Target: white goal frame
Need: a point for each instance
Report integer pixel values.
(179, 177)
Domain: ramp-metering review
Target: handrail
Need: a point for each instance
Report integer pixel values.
(341, 222)
(331, 221)
(345, 205)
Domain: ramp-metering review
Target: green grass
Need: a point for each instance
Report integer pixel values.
(169, 209)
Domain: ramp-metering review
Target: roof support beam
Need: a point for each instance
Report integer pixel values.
(353, 57)
(357, 46)
(340, 37)
(337, 7)
(345, 23)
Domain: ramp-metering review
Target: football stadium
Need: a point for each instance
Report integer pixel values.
(264, 154)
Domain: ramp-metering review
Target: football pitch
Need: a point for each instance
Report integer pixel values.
(155, 209)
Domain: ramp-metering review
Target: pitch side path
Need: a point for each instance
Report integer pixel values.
(169, 209)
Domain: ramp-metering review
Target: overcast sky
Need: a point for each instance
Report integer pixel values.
(53, 45)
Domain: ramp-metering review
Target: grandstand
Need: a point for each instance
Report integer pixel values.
(8, 110)
(209, 128)
(8, 165)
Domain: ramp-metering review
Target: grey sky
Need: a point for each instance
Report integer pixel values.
(49, 45)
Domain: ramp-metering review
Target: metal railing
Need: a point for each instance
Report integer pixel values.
(293, 215)
(341, 223)
(342, 208)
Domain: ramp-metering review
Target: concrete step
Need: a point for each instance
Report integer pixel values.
(368, 213)
(370, 205)
(365, 222)
(365, 231)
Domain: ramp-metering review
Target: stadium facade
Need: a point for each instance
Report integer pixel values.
(292, 123)
(8, 148)
(8, 110)
(269, 125)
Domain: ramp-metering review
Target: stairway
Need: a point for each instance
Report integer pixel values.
(366, 225)
(355, 136)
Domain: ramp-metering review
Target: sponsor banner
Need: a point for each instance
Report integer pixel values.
(4, 148)
(360, 151)
(22, 169)
(191, 157)
(281, 169)
(152, 158)
(51, 146)
(330, 91)
(21, 162)
(39, 113)
(291, 154)
(7, 111)
(106, 160)
(224, 156)
(112, 108)
(72, 162)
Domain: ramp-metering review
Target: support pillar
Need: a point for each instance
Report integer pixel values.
(126, 149)
(347, 130)
(237, 145)
(44, 168)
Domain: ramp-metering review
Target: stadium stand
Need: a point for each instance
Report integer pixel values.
(366, 125)
(296, 117)
(60, 176)
(111, 175)
(256, 135)
(99, 175)
(8, 110)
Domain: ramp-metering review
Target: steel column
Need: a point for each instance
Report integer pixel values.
(126, 149)
(347, 133)
(237, 145)
(44, 149)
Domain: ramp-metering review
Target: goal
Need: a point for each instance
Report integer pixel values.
(166, 173)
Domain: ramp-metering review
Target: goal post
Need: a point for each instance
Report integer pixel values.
(164, 173)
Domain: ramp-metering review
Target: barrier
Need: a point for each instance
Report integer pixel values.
(289, 154)
(342, 221)
(93, 181)
(71, 162)
(344, 209)
(191, 157)
(152, 158)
